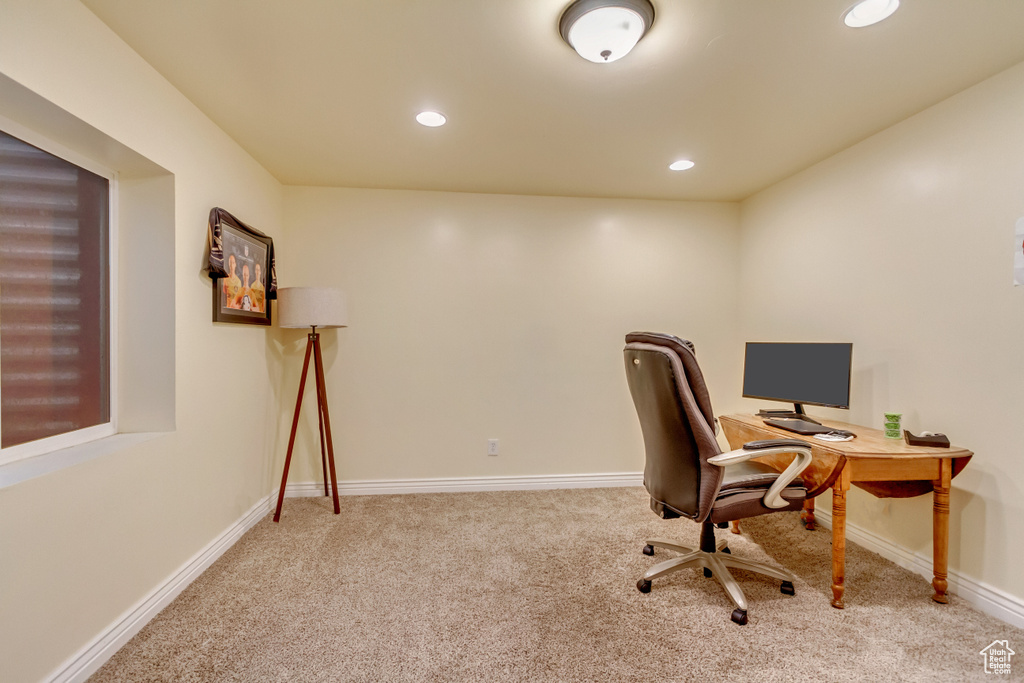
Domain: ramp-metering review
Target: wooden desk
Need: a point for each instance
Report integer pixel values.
(886, 468)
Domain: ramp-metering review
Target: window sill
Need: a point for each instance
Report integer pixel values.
(30, 468)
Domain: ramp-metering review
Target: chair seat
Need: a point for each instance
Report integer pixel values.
(751, 474)
(743, 488)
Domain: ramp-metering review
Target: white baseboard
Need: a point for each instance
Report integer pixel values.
(91, 657)
(985, 598)
(375, 487)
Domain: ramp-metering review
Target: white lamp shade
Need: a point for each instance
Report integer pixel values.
(311, 307)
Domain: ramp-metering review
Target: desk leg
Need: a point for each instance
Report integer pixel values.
(940, 529)
(839, 489)
(807, 514)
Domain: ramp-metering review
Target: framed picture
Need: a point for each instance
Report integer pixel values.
(244, 284)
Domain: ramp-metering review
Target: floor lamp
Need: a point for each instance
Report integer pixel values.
(312, 307)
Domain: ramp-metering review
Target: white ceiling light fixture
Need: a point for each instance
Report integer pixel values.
(603, 31)
(868, 12)
(431, 119)
(681, 165)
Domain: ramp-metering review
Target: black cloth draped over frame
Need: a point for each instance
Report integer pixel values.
(219, 217)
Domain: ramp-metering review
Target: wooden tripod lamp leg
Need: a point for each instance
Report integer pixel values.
(295, 425)
(323, 448)
(321, 397)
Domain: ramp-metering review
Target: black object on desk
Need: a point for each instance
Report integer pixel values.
(800, 426)
(926, 439)
(787, 414)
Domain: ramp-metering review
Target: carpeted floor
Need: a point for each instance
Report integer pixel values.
(540, 586)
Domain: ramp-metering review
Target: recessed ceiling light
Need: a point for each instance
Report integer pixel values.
(431, 118)
(603, 31)
(681, 165)
(868, 12)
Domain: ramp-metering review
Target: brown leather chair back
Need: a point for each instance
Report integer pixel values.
(674, 408)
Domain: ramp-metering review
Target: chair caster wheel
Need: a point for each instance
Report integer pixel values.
(739, 616)
(707, 572)
(727, 551)
(648, 549)
(787, 588)
(643, 585)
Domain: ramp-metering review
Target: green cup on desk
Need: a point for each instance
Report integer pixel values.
(893, 425)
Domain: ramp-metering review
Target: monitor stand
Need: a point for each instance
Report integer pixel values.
(797, 413)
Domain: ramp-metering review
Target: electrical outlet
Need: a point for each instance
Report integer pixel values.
(492, 446)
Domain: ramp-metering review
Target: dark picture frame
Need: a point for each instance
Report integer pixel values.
(245, 282)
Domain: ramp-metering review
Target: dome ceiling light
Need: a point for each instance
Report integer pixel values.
(603, 31)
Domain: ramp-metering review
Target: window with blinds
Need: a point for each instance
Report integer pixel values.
(54, 295)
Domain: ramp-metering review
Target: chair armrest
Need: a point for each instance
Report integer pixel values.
(755, 449)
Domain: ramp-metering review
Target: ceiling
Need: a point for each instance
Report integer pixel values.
(324, 92)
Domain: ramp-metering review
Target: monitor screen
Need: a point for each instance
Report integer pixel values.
(798, 372)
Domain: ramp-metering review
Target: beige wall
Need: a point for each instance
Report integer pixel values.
(81, 546)
(491, 316)
(902, 245)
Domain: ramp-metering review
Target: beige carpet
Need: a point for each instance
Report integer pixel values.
(540, 586)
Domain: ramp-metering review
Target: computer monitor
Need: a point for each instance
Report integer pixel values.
(799, 373)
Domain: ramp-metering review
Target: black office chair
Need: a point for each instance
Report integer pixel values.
(686, 473)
